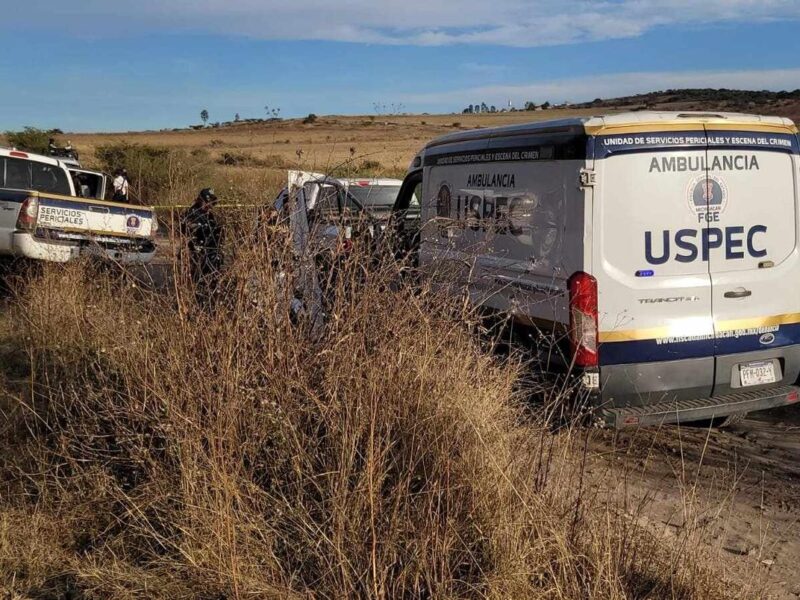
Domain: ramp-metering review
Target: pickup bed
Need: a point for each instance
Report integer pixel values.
(42, 217)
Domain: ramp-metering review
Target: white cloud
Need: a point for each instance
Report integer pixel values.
(523, 23)
(583, 89)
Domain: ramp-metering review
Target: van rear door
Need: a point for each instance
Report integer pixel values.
(753, 254)
(656, 329)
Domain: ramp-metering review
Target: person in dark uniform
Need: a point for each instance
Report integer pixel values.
(203, 234)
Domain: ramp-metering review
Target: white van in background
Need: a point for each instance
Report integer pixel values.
(658, 252)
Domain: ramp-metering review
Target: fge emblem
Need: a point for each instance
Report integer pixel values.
(708, 197)
(133, 222)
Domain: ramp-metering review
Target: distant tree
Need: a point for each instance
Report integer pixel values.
(468, 110)
(311, 118)
(236, 118)
(493, 108)
(545, 105)
(30, 139)
(484, 108)
(530, 105)
(477, 108)
(204, 116)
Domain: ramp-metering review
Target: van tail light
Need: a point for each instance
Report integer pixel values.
(28, 213)
(583, 319)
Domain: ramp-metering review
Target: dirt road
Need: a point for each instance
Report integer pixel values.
(734, 492)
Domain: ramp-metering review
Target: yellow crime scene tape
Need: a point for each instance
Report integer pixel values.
(162, 206)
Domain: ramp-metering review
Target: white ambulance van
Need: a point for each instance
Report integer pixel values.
(657, 251)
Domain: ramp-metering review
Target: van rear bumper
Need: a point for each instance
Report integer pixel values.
(647, 383)
(685, 411)
(697, 388)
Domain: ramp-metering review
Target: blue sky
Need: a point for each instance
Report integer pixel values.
(99, 65)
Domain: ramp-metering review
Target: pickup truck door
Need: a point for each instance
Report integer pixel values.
(96, 182)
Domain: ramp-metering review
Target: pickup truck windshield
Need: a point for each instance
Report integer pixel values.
(21, 174)
(375, 196)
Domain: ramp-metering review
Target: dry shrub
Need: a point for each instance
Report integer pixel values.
(168, 451)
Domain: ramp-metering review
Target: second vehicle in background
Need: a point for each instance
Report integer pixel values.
(335, 206)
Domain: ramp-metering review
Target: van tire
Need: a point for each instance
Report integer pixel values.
(729, 421)
(719, 422)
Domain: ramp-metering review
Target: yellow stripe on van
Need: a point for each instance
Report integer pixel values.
(633, 335)
(689, 125)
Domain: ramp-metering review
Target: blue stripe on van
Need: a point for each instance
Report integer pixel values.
(664, 141)
(639, 351)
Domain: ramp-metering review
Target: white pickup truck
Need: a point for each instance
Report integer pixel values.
(56, 211)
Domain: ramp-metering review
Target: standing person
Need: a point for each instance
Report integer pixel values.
(120, 185)
(204, 238)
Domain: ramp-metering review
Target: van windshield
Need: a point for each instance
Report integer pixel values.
(371, 197)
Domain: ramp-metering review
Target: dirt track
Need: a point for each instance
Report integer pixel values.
(735, 492)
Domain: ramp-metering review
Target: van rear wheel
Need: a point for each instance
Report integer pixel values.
(720, 422)
(729, 421)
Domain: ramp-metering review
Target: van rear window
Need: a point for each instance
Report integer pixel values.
(20, 174)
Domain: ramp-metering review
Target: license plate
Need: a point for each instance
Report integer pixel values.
(757, 373)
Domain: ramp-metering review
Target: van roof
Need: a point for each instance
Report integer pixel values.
(629, 122)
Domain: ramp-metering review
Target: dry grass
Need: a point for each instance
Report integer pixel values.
(153, 449)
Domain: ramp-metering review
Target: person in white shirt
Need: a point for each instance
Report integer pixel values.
(120, 185)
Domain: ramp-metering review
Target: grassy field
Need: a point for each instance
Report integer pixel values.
(390, 140)
(248, 162)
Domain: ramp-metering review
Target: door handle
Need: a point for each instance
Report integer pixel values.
(740, 293)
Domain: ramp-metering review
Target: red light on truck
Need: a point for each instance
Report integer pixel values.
(28, 213)
(583, 319)
(18, 154)
(792, 397)
(362, 183)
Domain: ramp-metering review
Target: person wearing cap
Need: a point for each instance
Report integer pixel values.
(203, 233)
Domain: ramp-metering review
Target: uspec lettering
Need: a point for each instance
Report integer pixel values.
(691, 244)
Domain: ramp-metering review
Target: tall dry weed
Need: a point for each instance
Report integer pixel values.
(163, 450)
